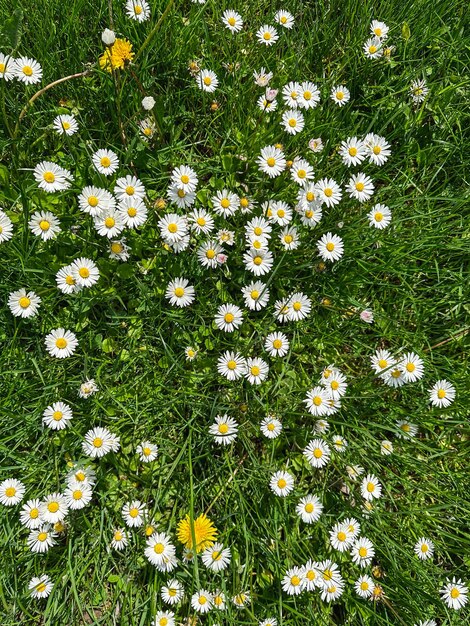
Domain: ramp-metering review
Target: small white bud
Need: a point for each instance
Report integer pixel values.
(148, 103)
(108, 37)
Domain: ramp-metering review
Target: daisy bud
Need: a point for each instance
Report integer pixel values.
(108, 37)
(221, 258)
(271, 94)
(148, 103)
(367, 316)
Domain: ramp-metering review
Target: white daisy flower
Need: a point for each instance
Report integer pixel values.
(259, 262)
(454, 594)
(316, 144)
(129, 187)
(386, 447)
(134, 213)
(172, 592)
(99, 441)
(336, 385)
(282, 483)
(172, 227)
(380, 216)
(6, 227)
(281, 213)
(382, 360)
(93, 200)
(201, 221)
(328, 192)
(61, 343)
(360, 187)
(332, 591)
(293, 581)
(164, 618)
(231, 365)
(271, 161)
(317, 453)
(379, 29)
(208, 253)
(291, 94)
(309, 96)
(371, 488)
(57, 416)
(105, 161)
(78, 495)
(27, 70)
(228, 317)
(299, 306)
(340, 538)
(309, 509)
(40, 586)
(424, 548)
(207, 81)
(373, 48)
(133, 513)
(263, 77)
(339, 443)
(340, 95)
(241, 599)
(11, 492)
(24, 304)
(268, 106)
(224, 430)
(394, 377)
(51, 177)
(225, 203)
(330, 247)
(276, 344)
(317, 401)
(138, 10)
(293, 121)
(65, 125)
(30, 515)
(269, 621)
(201, 601)
(419, 91)
(216, 558)
(352, 151)
(271, 427)
(119, 540)
(184, 177)
(147, 451)
(406, 429)
(378, 149)
(442, 394)
(42, 538)
(44, 224)
(232, 20)
(284, 18)
(182, 199)
(180, 293)
(412, 367)
(87, 388)
(85, 272)
(301, 171)
(289, 238)
(364, 586)
(53, 508)
(7, 67)
(256, 370)
(109, 223)
(267, 35)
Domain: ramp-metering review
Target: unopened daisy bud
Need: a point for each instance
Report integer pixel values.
(148, 103)
(108, 37)
(271, 94)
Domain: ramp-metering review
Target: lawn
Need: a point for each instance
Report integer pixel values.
(389, 459)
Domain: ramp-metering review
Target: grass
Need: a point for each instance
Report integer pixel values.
(412, 275)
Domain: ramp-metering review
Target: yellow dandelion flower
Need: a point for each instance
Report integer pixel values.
(205, 532)
(117, 56)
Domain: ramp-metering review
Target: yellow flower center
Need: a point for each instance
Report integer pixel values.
(66, 125)
(277, 343)
(341, 536)
(10, 492)
(229, 317)
(283, 19)
(310, 196)
(202, 600)
(232, 364)
(383, 363)
(57, 416)
(292, 122)
(53, 507)
(130, 190)
(328, 192)
(281, 213)
(44, 225)
(225, 203)
(334, 385)
(372, 49)
(410, 367)
(267, 36)
(281, 483)
(317, 401)
(441, 394)
(309, 507)
(364, 585)
(2, 67)
(93, 201)
(352, 151)
(360, 186)
(147, 451)
(257, 260)
(307, 95)
(109, 222)
(84, 272)
(41, 587)
(24, 302)
(424, 548)
(118, 536)
(70, 280)
(244, 202)
(455, 593)
(378, 217)
(80, 476)
(172, 228)
(297, 306)
(339, 95)
(271, 161)
(42, 536)
(330, 246)
(255, 370)
(34, 513)
(318, 453)
(97, 442)
(405, 427)
(370, 487)
(271, 427)
(377, 150)
(295, 581)
(61, 343)
(77, 494)
(134, 512)
(105, 161)
(163, 621)
(232, 21)
(179, 292)
(363, 552)
(158, 548)
(378, 32)
(27, 70)
(131, 211)
(137, 9)
(288, 238)
(148, 131)
(210, 254)
(223, 429)
(207, 80)
(310, 574)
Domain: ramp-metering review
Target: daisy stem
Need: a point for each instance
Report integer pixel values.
(154, 30)
(4, 111)
(191, 509)
(40, 92)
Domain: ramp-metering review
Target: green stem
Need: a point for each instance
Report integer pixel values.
(191, 509)
(154, 30)
(4, 111)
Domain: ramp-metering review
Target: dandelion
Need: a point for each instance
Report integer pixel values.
(117, 56)
(205, 533)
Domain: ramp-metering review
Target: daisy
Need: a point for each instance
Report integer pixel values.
(225, 203)
(53, 508)
(159, 548)
(85, 272)
(317, 453)
(172, 227)
(424, 548)
(340, 539)
(231, 365)
(201, 221)
(40, 587)
(352, 151)
(293, 121)
(201, 601)
(381, 361)
(419, 91)
(309, 95)
(276, 344)
(224, 430)
(299, 306)
(24, 304)
(208, 253)
(11, 491)
(259, 262)
(61, 343)
(78, 495)
(228, 317)
(412, 367)
(105, 161)
(371, 488)
(138, 10)
(218, 599)
(241, 599)
(282, 483)
(185, 178)
(216, 558)
(291, 93)
(65, 125)
(81, 474)
(406, 430)
(454, 594)
(129, 187)
(246, 205)
(93, 200)
(354, 471)
(380, 216)
(41, 539)
(172, 592)
(442, 394)
(328, 191)
(293, 581)
(232, 20)
(30, 515)
(109, 223)
(394, 377)
(301, 171)
(362, 552)
(340, 95)
(378, 149)
(7, 67)
(336, 385)
(266, 105)
(309, 509)
(57, 416)
(182, 199)
(207, 81)
(386, 447)
(164, 618)
(427, 622)
(285, 19)
(271, 427)
(379, 29)
(133, 513)
(330, 247)
(180, 293)
(364, 586)
(27, 70)
(119, 540)
(98, 442)
(88, 388)
(272, 161)
(373, 48)
(267, 35)
(270, 621)
(51, 177)
(340, 443)
(256, 370)
(360, 187)
(316, 144)
(281, 213)
(44, 224)
(256, 295)
(6, 227)
(289, 238)
(258, 227)
(263, 77)
(332, 591)
(147, 451)
(317, 401)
